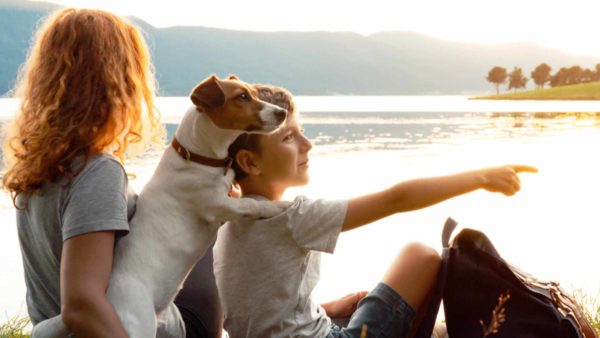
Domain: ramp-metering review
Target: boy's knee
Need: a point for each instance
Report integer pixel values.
(413, 273)
(422, 255)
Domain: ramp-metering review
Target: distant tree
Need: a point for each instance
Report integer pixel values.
(587, 75)
(541, 75)
(597, 73)
(497, 76)
(516, 79)
(560, 78)
(574, 75)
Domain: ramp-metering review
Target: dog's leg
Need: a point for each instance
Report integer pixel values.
(228, 208)
(134, 303)
(134, 307)
(51, 328)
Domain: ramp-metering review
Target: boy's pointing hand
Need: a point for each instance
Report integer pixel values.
(504, 179)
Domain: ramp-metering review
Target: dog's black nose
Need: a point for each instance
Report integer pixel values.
(280, 115)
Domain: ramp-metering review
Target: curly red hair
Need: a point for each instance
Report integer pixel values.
(86, 83)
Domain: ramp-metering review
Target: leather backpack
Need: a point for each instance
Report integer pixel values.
(485, 296)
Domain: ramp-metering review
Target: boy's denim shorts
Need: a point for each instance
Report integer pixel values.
(385, 313)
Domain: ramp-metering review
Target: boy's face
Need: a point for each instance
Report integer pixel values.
(283, 157)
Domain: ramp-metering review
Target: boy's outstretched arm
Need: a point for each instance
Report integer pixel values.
(420, 193)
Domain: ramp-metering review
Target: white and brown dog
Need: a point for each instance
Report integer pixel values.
(181, 208)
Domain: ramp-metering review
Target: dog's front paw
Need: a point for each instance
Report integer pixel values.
(273, 208)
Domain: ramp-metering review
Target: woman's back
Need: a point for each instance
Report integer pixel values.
(97, 199)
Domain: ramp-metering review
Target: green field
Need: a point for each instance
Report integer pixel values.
(584, 91)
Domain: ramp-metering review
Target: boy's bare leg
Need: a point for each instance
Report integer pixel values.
(413, 275)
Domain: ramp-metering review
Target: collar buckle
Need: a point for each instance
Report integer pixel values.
(228, 164)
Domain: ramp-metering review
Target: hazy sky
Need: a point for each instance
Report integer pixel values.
(570, 25)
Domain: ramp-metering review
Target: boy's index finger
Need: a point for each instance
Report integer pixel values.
(524, 169)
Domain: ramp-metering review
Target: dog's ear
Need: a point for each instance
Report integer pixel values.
(232, 77)
(208, 94)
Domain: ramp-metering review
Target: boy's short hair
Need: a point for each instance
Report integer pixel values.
(276, 95)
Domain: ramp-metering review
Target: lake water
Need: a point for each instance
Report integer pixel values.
(363, 144)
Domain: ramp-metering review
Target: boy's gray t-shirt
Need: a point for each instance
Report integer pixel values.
(97, 199)
(266, 270)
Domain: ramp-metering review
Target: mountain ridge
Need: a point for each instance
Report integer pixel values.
(307, 63)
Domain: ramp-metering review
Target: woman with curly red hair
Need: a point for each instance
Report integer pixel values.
(84, 90)
(87, 95)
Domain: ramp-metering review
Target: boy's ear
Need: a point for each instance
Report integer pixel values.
(245, 159)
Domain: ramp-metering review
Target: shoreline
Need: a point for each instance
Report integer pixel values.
(578, 92)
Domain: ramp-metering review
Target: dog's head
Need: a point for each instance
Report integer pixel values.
(234, 104)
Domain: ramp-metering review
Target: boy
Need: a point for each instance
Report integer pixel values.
(266, 269)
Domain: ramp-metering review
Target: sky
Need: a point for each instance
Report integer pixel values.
(568, 25)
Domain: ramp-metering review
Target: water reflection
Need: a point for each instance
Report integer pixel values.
(550, 119)
(405, 130)
(359, 131)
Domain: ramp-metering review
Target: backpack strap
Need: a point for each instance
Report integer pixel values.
(447, 232)
(433, 303)
(449, 227)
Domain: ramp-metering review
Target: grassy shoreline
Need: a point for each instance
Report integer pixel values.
(18, 327)
(583, 91)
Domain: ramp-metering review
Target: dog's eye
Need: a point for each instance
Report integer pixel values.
(244, 97)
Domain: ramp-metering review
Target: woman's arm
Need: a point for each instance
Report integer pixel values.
(424, 192)
(85, 272)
